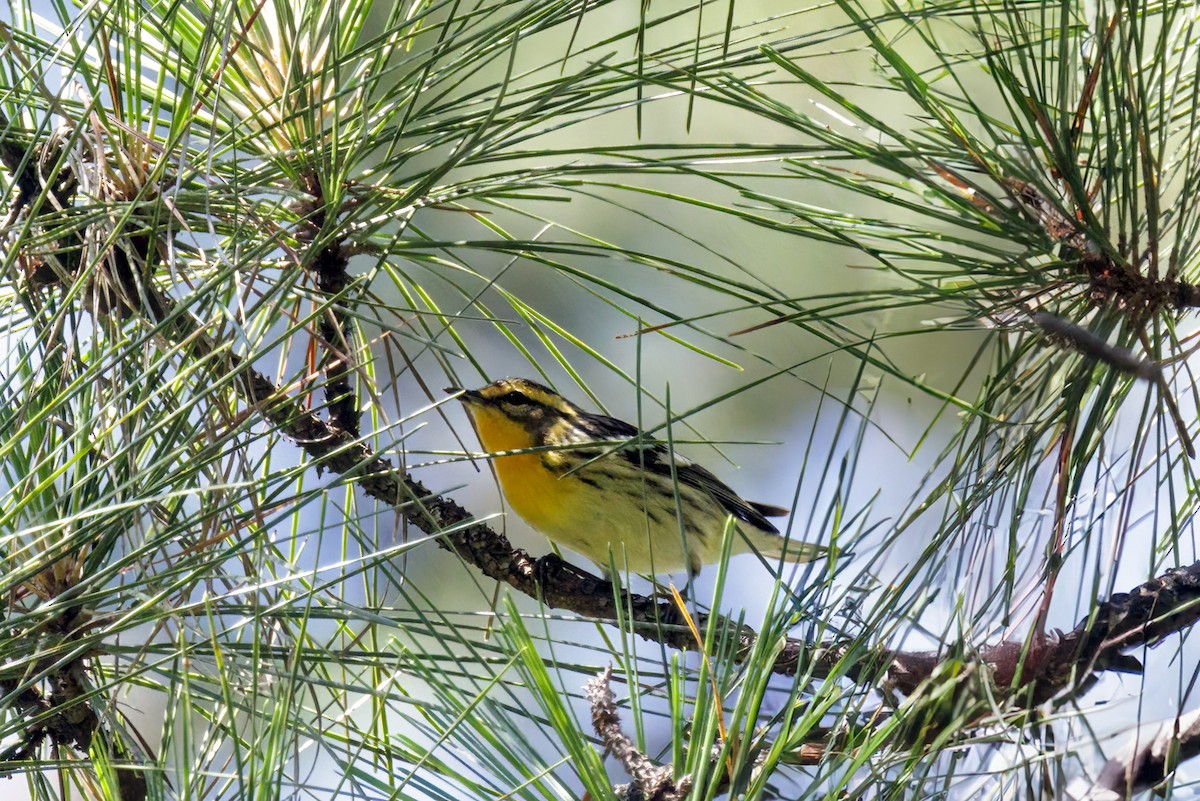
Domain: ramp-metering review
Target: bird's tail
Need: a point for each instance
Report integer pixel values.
(801, 552)
(773, 546)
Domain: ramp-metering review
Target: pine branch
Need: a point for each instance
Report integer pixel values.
(1039, 671)
(329, 269)
(1142, 765)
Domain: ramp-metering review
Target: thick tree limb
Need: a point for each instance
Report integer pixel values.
(1141, 765)
(1100, 642)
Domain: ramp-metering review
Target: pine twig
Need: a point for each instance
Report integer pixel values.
(650, 782)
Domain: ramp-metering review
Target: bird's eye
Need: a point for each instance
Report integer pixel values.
(515, 398)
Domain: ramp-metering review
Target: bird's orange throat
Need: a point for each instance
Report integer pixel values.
(533, 491)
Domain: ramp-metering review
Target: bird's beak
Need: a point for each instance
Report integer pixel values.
(464, 395)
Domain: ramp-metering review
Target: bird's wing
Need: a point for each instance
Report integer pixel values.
(770, 510)
(602, 426)
(696, 476)
(656, 459)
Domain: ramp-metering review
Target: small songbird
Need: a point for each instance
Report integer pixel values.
(580, 487)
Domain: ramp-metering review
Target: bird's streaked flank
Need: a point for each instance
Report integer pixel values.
(575, 487)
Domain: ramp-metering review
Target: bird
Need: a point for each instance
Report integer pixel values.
(597, 485)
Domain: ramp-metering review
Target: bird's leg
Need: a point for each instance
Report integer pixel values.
(685, 590)
(693, 570)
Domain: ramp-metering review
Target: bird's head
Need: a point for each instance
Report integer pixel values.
(515, 413)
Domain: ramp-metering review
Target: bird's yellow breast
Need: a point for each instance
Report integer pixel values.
(534, 492)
